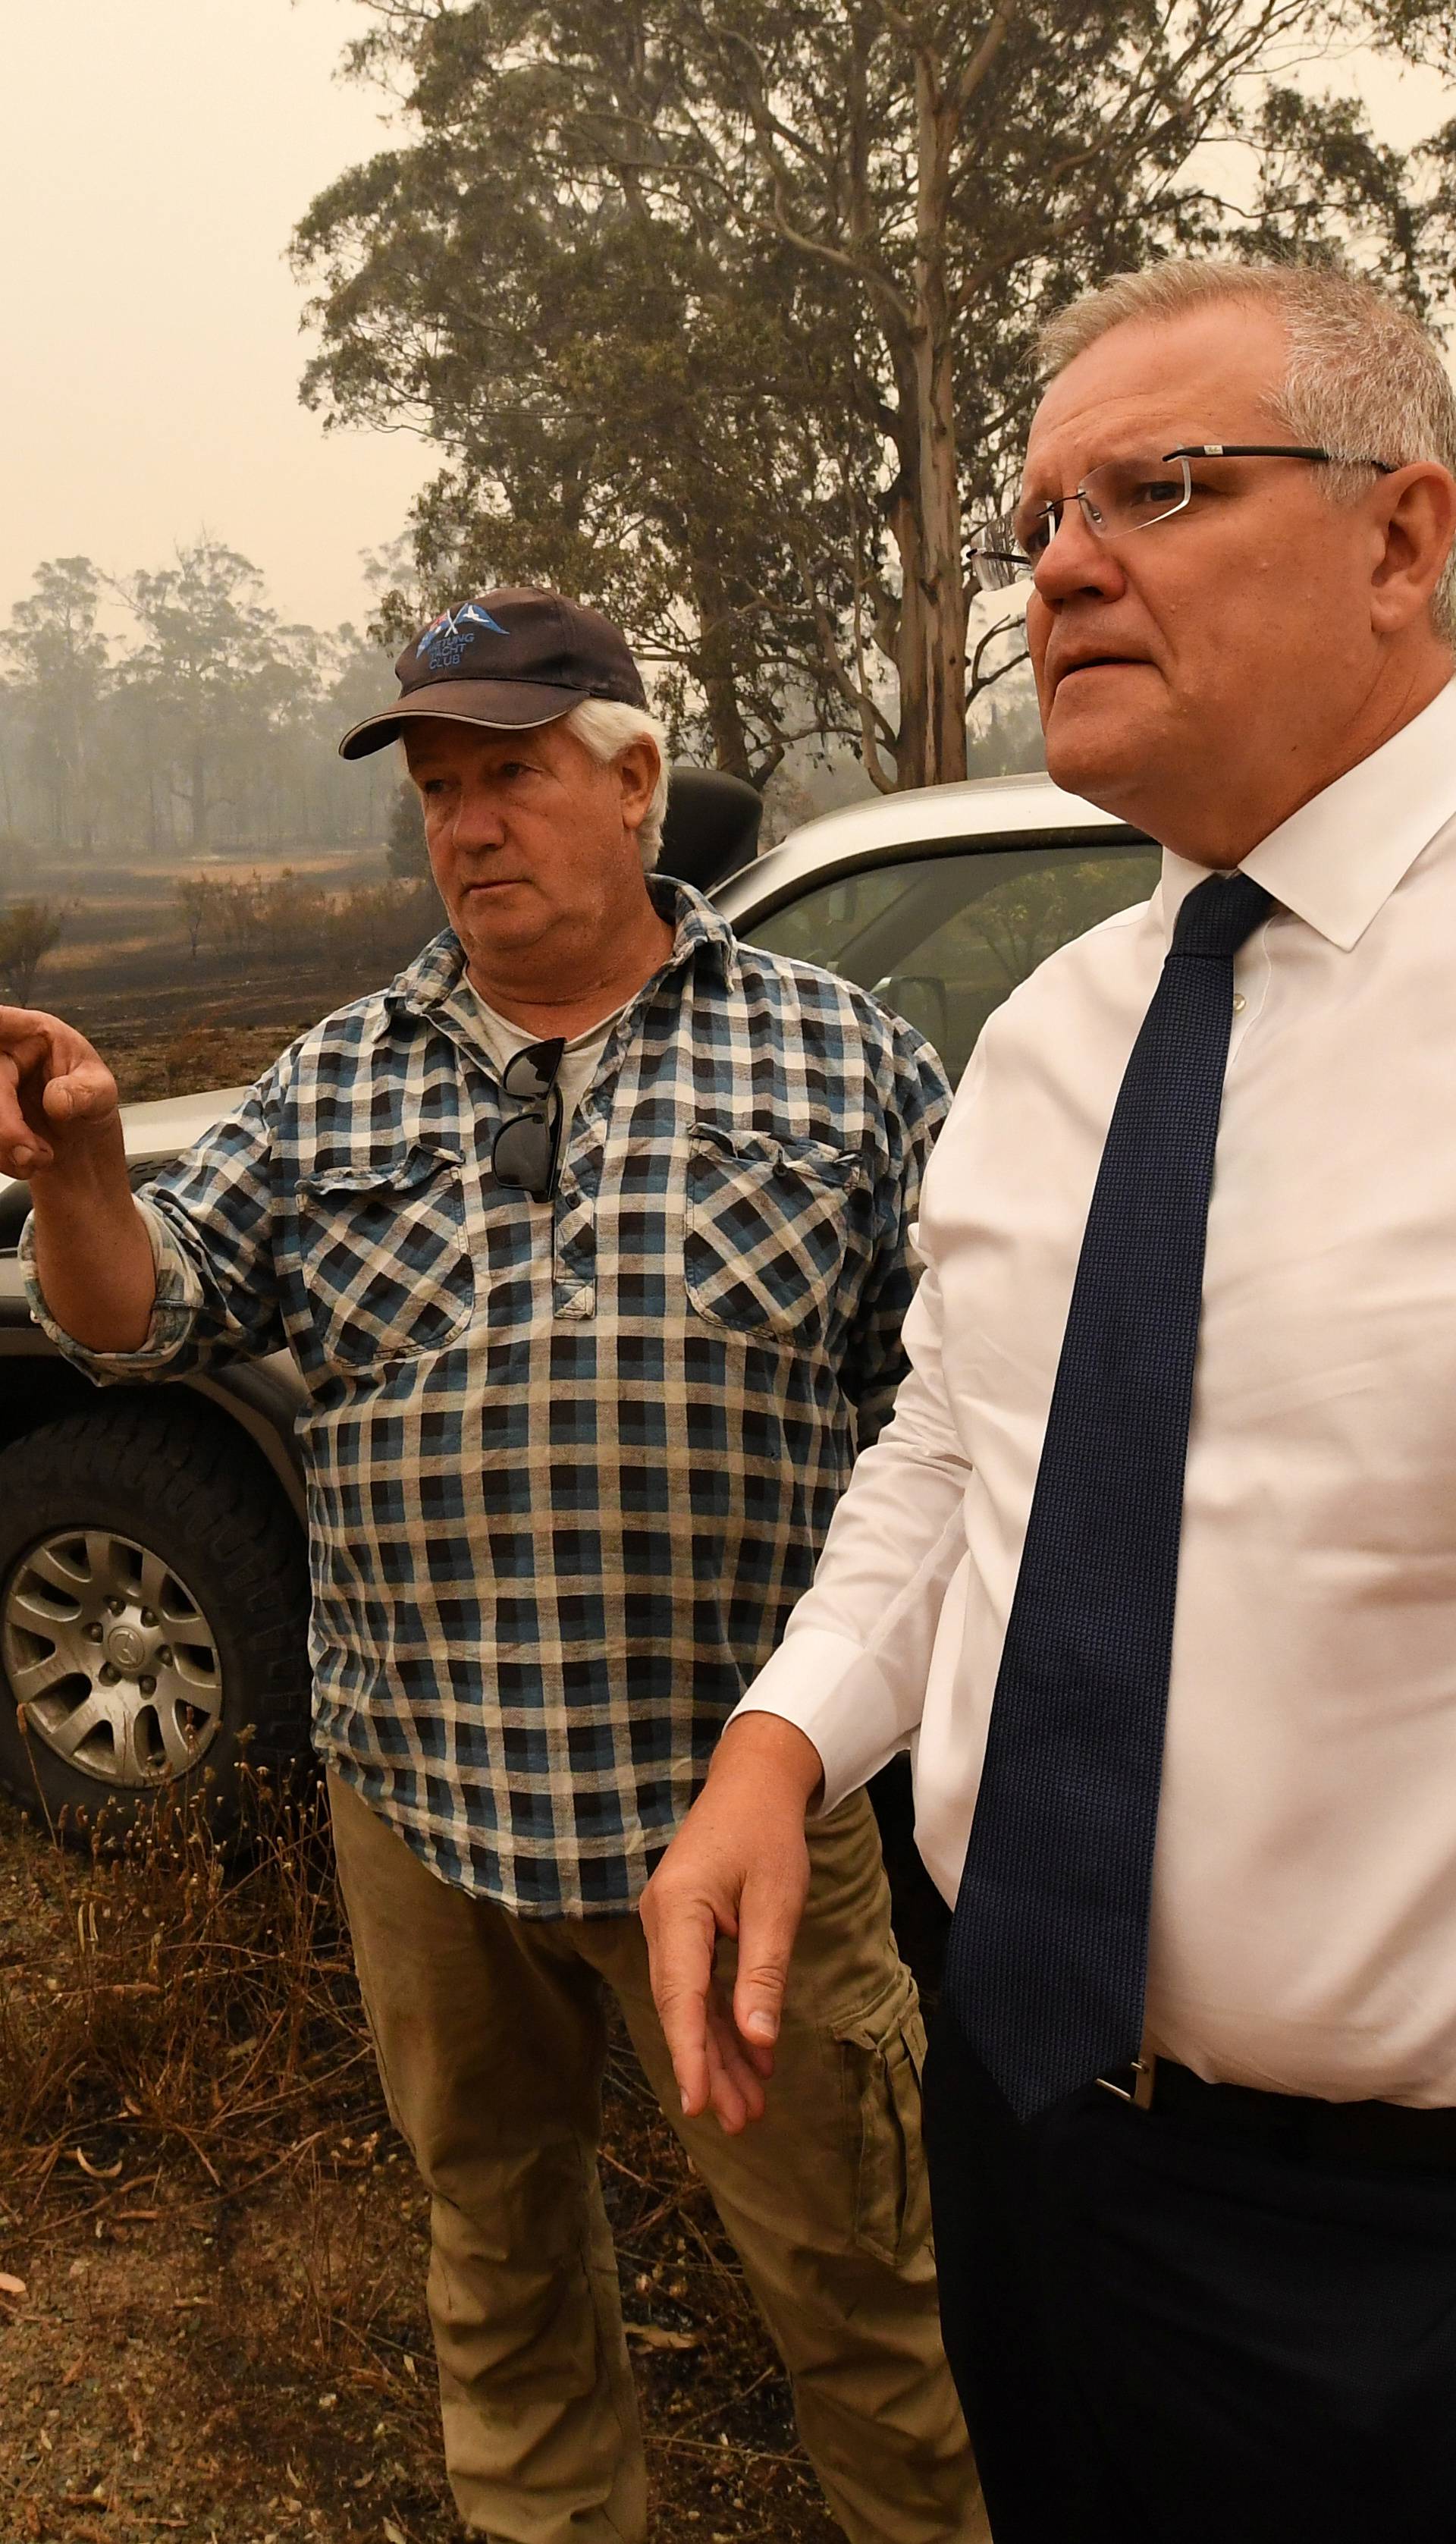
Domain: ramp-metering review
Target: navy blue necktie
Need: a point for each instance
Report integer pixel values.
(1047, 1959)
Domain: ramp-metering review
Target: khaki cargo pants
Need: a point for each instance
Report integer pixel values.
(492, 2033)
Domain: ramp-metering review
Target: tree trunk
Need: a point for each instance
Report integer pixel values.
(712, 666)
(198, 798)
(927, 522)
(911, 751)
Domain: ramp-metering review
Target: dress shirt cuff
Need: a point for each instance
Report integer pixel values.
(179, 1297)
(827, 1686)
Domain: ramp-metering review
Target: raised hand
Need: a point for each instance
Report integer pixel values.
(61, 1127)
(57, 1096)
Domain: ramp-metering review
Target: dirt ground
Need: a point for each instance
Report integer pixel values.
(211, 2318)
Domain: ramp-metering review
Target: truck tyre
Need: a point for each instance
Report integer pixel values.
(153, 1611)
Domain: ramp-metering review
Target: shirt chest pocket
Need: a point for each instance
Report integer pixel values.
(385, 1261)
(769, 1222)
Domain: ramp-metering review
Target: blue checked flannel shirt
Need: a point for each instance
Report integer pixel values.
(568, 1463)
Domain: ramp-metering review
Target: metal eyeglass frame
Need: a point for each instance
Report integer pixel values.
(1001, 561)
(526, 1152)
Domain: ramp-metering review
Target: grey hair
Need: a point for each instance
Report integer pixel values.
(1363, 378)
(604, 727)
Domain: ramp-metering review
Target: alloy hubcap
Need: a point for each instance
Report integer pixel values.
(111, 1658)
(127, 1648)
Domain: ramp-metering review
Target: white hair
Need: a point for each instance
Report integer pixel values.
(604, 727)
(1363, 379)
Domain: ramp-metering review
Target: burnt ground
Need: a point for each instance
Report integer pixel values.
(212, 2314)
(170, 1019)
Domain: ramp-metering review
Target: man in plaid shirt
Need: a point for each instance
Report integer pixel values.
(590, 1236)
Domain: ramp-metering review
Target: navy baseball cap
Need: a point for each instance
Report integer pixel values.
(508, 659)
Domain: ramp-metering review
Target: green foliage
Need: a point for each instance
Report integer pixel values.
(723, 312)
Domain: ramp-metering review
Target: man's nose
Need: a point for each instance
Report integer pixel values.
(1075, 560)
(479, 823)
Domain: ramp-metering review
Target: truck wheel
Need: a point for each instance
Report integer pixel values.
(153, 1609)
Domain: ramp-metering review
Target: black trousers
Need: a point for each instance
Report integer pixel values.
(1165, 2336)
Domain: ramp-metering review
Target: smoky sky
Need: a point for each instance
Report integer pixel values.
(154, 156)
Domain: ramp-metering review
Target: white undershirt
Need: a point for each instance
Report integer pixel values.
(1304, 1897)
(579, 1062)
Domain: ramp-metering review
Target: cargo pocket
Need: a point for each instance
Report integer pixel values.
(768, 1223)
(883, 2058)
(385, 1263)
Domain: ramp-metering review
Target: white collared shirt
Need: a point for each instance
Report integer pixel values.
(1304, 1909)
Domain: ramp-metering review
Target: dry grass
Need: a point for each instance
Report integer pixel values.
(196, 1059)
(221, 2246)
(193, 2008)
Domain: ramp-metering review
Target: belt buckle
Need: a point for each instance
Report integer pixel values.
(1139, 2093)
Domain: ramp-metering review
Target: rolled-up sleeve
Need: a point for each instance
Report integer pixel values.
(179, 1297)
(210, 1222)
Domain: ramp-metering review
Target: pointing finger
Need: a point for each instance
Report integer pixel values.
(681, 1937)
(768, 1920)
(738, 2070)
(737, 2095)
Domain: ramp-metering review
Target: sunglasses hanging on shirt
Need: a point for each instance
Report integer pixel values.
(526, 1150)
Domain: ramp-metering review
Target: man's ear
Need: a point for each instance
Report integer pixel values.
(1418, 513)
(638, 767)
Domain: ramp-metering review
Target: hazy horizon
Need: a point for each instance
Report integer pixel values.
(153, 163)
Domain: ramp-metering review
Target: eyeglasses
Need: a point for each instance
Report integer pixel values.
(526, 1150)
(1121, 495)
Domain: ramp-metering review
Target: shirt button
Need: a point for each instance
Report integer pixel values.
(1240, 1002)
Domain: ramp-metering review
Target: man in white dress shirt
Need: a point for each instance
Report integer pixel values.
(1206, 2287)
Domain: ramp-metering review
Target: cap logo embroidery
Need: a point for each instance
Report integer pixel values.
(448, 638)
